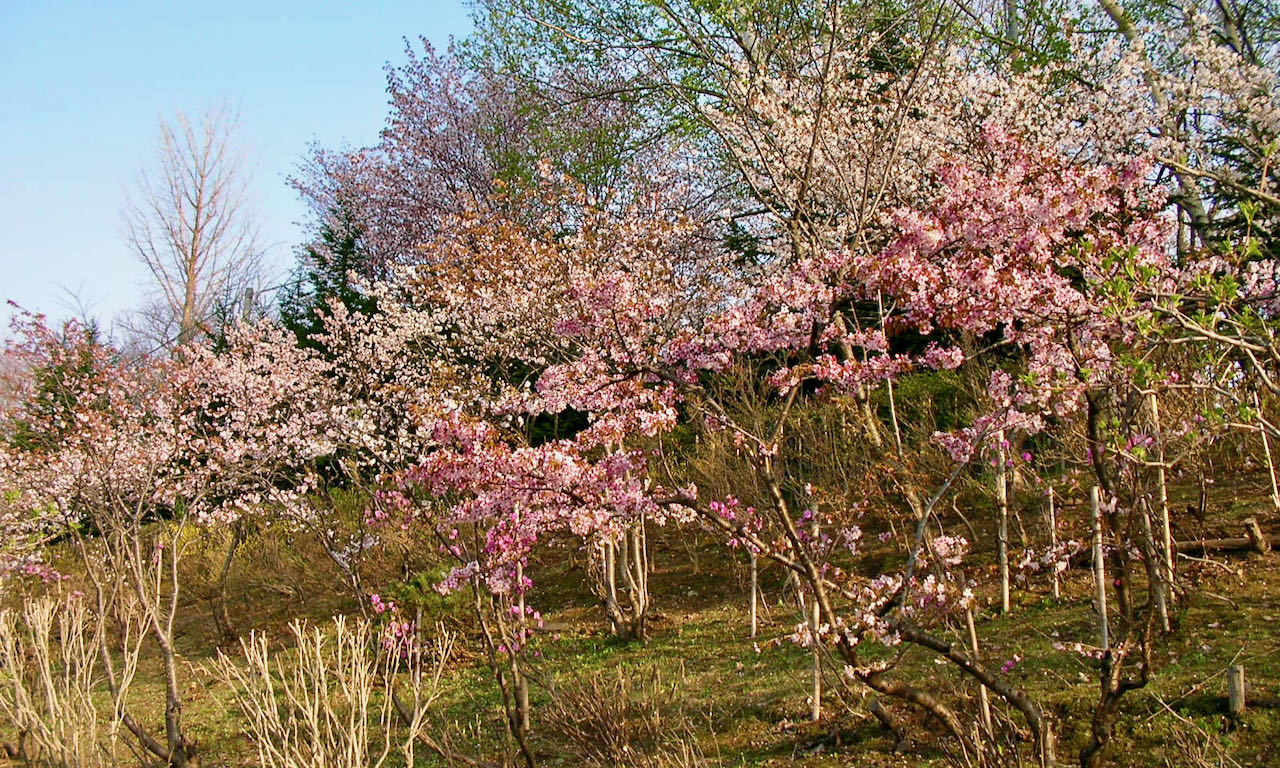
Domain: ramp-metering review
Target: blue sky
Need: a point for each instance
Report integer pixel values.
(84, 84)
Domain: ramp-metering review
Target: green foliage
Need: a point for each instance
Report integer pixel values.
(928, 402)
(323, 275)
(59, 387)
(416, 596)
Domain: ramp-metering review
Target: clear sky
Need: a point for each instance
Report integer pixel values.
(84, 84)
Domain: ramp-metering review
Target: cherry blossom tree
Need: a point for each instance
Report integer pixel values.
(1075, 249)
(125, 461)
(1020, 244)
(463, 138)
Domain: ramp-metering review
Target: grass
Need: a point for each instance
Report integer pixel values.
(743, 702)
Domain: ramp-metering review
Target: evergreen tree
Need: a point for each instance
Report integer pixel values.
(326, 272)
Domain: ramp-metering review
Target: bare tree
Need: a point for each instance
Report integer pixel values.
(191, 224)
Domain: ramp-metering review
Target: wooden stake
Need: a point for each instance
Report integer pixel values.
(1235, 690)
(1257, 540)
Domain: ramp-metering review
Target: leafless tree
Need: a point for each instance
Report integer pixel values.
(190, 223)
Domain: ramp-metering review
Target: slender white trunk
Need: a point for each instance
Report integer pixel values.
(755, 593)
(522, 682)
(607, 555)
(1002, 500)
(1162, 495)
(1155, 569)
(638, 582)
(1099, 569)
(1266, 447)
(815, 708)
(983, 702)
(1053, 542)
(815, 712)
(893, 405)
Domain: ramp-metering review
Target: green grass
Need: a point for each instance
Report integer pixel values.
(744, 701)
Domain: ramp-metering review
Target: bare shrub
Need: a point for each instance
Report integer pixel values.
(51, 683)
(622, 717)
(1195, 745)
(1200, 749)
(343, 697)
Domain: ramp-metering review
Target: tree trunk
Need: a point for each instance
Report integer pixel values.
(815, 702)
(984, 703)
(755, 591)
(1099, 569)
(221, 616)
(1053, 541)
(1162, 497)
(1002, 501)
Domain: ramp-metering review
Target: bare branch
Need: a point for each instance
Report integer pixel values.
(190, 222)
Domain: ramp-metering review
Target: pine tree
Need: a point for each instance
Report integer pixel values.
(327, 271)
